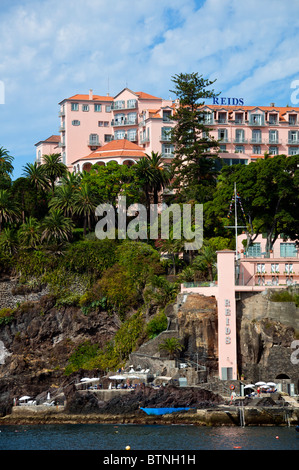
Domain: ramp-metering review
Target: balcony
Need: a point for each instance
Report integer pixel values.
(117, 106)
(61, 113)
(240, 140)
(93, 143)
(256, 122)
(124, 122)
(131, 138)
(293, 141)
(144, 140)
(61, 144)
(165, 138)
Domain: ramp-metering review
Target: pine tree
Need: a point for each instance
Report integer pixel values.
(194, 163)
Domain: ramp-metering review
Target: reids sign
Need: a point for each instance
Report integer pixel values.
(228, 101)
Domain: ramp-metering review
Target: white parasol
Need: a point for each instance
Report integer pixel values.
(260, 383)
(249, 386)
(117, 377)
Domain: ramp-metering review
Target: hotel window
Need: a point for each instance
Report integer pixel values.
(257, 149)
(256, 136)
(222, 148)
(85, 107)
(240, 135)
(293, 151)
(206, 117)
(108, 108)
(254, 250)
(273, 137)
(274, 268)
(98, 108)
(75, 106)
(239, 149)
(167, 150)
(288, 250)
(222, 118)
(166, 133)
(108, 138)
(106, 123)
(75, 122)
(93, 139)
(239, 118)
(120, 134)
(63, 157)
(260, 268)
(273, 119)
(222, 135)
(257, 119)
(273, 150)
(289, 268)
(131, 118)
(293, 137)
(132, 135)
(292, 119)
(131, 103)
(167, 116)
(119, 104)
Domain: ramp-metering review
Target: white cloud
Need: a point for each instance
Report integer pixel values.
(53, 49)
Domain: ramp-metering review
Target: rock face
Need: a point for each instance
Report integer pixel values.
(265, 335)
(166, 397)
(197, 325)
(39, 341)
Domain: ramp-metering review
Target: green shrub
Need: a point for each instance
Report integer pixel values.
(81, 357)
(6, 316)
(156, 325)
(282, 296)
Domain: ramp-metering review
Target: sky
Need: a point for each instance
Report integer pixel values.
(53, 49)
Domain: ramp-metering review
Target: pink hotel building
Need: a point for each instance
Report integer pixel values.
(98, 129)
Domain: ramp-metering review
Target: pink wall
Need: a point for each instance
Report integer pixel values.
(227, 337)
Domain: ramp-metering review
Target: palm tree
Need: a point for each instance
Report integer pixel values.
(54, 168)
(171, 346)
(56, 229)
(71, 179)
(30, 233)
(161, 174)
(9, 241)
(85, 203)
(5, 162)
(205, 260)
(63, 199)
(36, 175)
(9, 211)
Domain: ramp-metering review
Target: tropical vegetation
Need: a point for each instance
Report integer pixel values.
(48, 218)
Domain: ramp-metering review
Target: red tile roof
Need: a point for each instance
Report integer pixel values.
(116, 148)
(145, 96)
(94, 97)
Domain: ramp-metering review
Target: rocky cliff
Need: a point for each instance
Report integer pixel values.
(36, 344)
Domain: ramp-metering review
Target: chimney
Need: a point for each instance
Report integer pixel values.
(272, 105)
(90, 95)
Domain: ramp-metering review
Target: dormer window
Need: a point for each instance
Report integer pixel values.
(273, 119)
(239, 118)
(292, 119)
(222, 118)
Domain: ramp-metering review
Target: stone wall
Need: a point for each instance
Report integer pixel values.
(9, 299)
(258, 306)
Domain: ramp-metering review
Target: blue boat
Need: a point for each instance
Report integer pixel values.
(162, 411)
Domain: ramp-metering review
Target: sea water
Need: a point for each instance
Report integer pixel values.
(146, 437)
